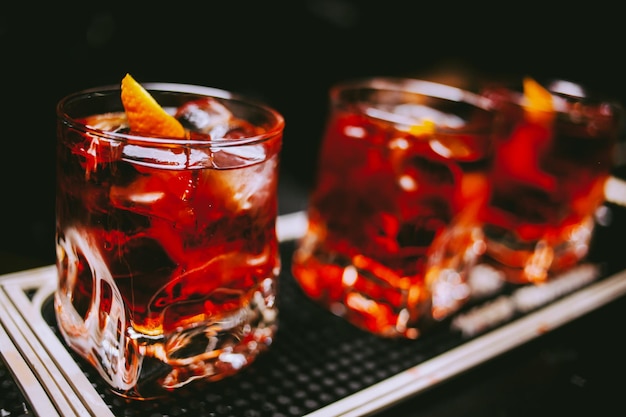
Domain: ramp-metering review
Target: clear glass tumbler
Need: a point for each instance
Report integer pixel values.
(399, 159)
(555, 148)
(167, 253)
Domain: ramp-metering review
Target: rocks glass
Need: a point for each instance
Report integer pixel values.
(399, 159)
(167, 252)
(555, 148)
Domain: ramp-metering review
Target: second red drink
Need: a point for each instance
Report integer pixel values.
(399, 159)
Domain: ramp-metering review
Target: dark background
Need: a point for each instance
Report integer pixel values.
(287, 53)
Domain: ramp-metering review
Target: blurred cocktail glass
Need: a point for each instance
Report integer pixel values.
(555, 148)
(399, 159)
(167, 253)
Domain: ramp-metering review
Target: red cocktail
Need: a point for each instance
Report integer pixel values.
(167, 251)
(553, 156)
(399, 159)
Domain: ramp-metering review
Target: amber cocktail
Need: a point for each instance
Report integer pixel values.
(166, 243)
(555, 149)
(399, 159)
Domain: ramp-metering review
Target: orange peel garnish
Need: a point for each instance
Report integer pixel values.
(539, 103)
(427, 127)
(145, 115)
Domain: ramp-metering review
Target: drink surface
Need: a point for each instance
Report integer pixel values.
(167, 254)
(384, 191)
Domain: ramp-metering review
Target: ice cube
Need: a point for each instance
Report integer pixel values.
(109, 122)
(418, 114)
(206, 115)
(243, 188)
(164, 195)
(239, 156)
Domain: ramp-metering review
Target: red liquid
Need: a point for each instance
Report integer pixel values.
(547, 180)
(183, 254)
(382, 196)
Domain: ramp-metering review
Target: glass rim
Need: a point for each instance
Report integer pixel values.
(276, 128)
(564, 93)
(412, 86)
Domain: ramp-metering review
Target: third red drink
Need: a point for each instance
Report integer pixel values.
(555, 150)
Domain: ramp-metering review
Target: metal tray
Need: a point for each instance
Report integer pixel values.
(318, 365)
